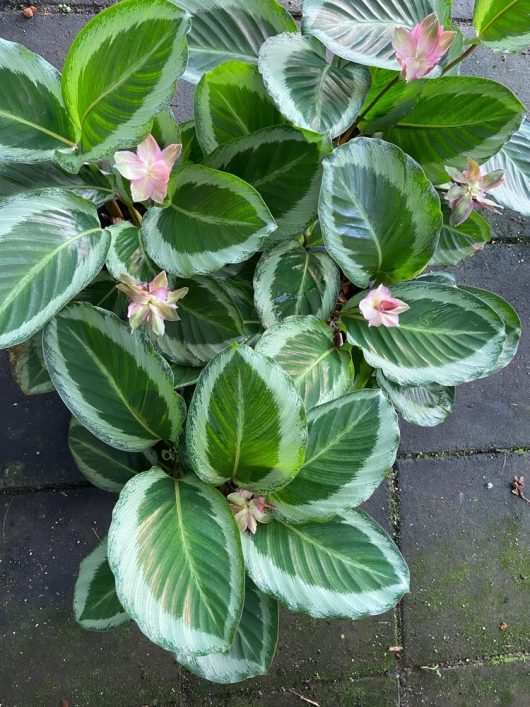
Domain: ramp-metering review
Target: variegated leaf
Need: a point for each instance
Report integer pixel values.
(253, 648)
(28, 368)
(184, 376)
(174, 548)
(503, 25)
(102, 292)
(313, 93)
(246, 423)
(51, 246)
(424, 405)
(127, 254)
(96, 605)
(114, 383)
(459, 242)
(304, 348)
(352, 444)
(191, 150)
(348, 567)
(368, 240)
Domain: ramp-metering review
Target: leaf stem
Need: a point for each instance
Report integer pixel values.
(135, 215)
(349, 133)
(460, 58)
(114, 210)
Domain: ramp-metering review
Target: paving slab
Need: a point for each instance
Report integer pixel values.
(463, 9)
(471, 686)
(467, 547)
(493, 412)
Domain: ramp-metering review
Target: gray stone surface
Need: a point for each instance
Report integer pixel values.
(463, 9)
(467, 548)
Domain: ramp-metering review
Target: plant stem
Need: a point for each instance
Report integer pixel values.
(460, 58)
(135, 215)
(115, 211)
(349, 133)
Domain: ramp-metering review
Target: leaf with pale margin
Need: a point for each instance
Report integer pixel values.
(459, 242)
(127, 254)
(423, 405)
(503, 25)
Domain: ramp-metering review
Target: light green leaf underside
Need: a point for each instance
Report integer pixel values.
(447, 336)
(227, 30)
(352, 444)
(120, 71)
(112, 381)
(51, 246)
(368, 240)
(304, 348)
(253, 648)
(291, 280)
(175, 551)
(311, 92)
(284, 167)
(184, 376)
(503, 25)
(213, 219)
(28, 368)
(514, 159)
(96, 605)
(348, 567)
(105, 467)
(165, 129)
(246, 422)
(426, 405)
(127, 255)
(457, 117)
(230, 102)
(459, 242)
(362, 30)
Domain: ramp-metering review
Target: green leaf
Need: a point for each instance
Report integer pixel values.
(253, 648)
(246, 423)
(175, 551)
(284, 165)
(184, 376)
(503, 25)
(459, 242)
(231, 101)
(96, 605)
(121, 70)
(127, 254)
(447, 336)
(346, 568)
(292, 280)
(368, 240)
(191, 150)
(33, 120)
(514, 159)
(28, 368)
(111, 380)
(312, 92)
(424, 405)
(209, 322)
(455, 118)
(304, 348)
(397, 102)
(105, 467)
(212, 219)
(227, 30)
(165, 129)
(102, 292)
(362, 30)
(352, 444)
(51, 246)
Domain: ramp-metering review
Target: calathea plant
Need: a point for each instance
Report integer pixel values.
(233, 308)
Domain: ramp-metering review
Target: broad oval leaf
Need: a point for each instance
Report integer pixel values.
(312, 92)
(114, 383)
(457, 117)
(102, 292)
(105, 467)
(27, 365)
(253, 648)
(346, 568)
(51, 247)
(226, 30)
(503, 25)
(458, 242)
(304, 348)
(121, 70)
(292, 280)
(284, 165)
(352, 443)
(231, 101)
(514, 159)
(33, 120)
(96, 604)
(246, 423)
(191, 150)
(367, 240)
(213, 218)
(127, 254)
(424, 405)
(396, 101)
(184, 376)
(362, 30)
(447, 336)
(175, 551)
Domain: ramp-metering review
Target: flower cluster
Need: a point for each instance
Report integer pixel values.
(469, 190)
(381, 309)
(421, 49)
(151, 302)
(249, 509)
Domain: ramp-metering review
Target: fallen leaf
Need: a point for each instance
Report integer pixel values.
(503, 626)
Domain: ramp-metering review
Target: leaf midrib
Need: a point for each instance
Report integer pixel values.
(499, 14)
(205, 218)
(40, 128)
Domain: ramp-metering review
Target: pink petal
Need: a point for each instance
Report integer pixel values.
(148, 150)
(455, 174)
(158, 190)
(403, 43)
(461, 210)
(141, 189)
(177, 294)
(159, 282)
(492, 180)
(137, 314)
(157, 323)
(170, 155)
(129, 165)
(473, 170)
(427, 35)
(445, 41)
(390, 320)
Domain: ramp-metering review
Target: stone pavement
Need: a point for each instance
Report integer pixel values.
(467, 544)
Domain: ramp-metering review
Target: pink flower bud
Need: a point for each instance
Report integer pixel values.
(249, 510)
(419, 50)
(469, 189)
(381, 309)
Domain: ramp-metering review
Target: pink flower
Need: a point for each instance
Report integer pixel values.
(380, 308)
(152, 302)
(469, 190)
(148, 169)
(249, 509)
(420, 49)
